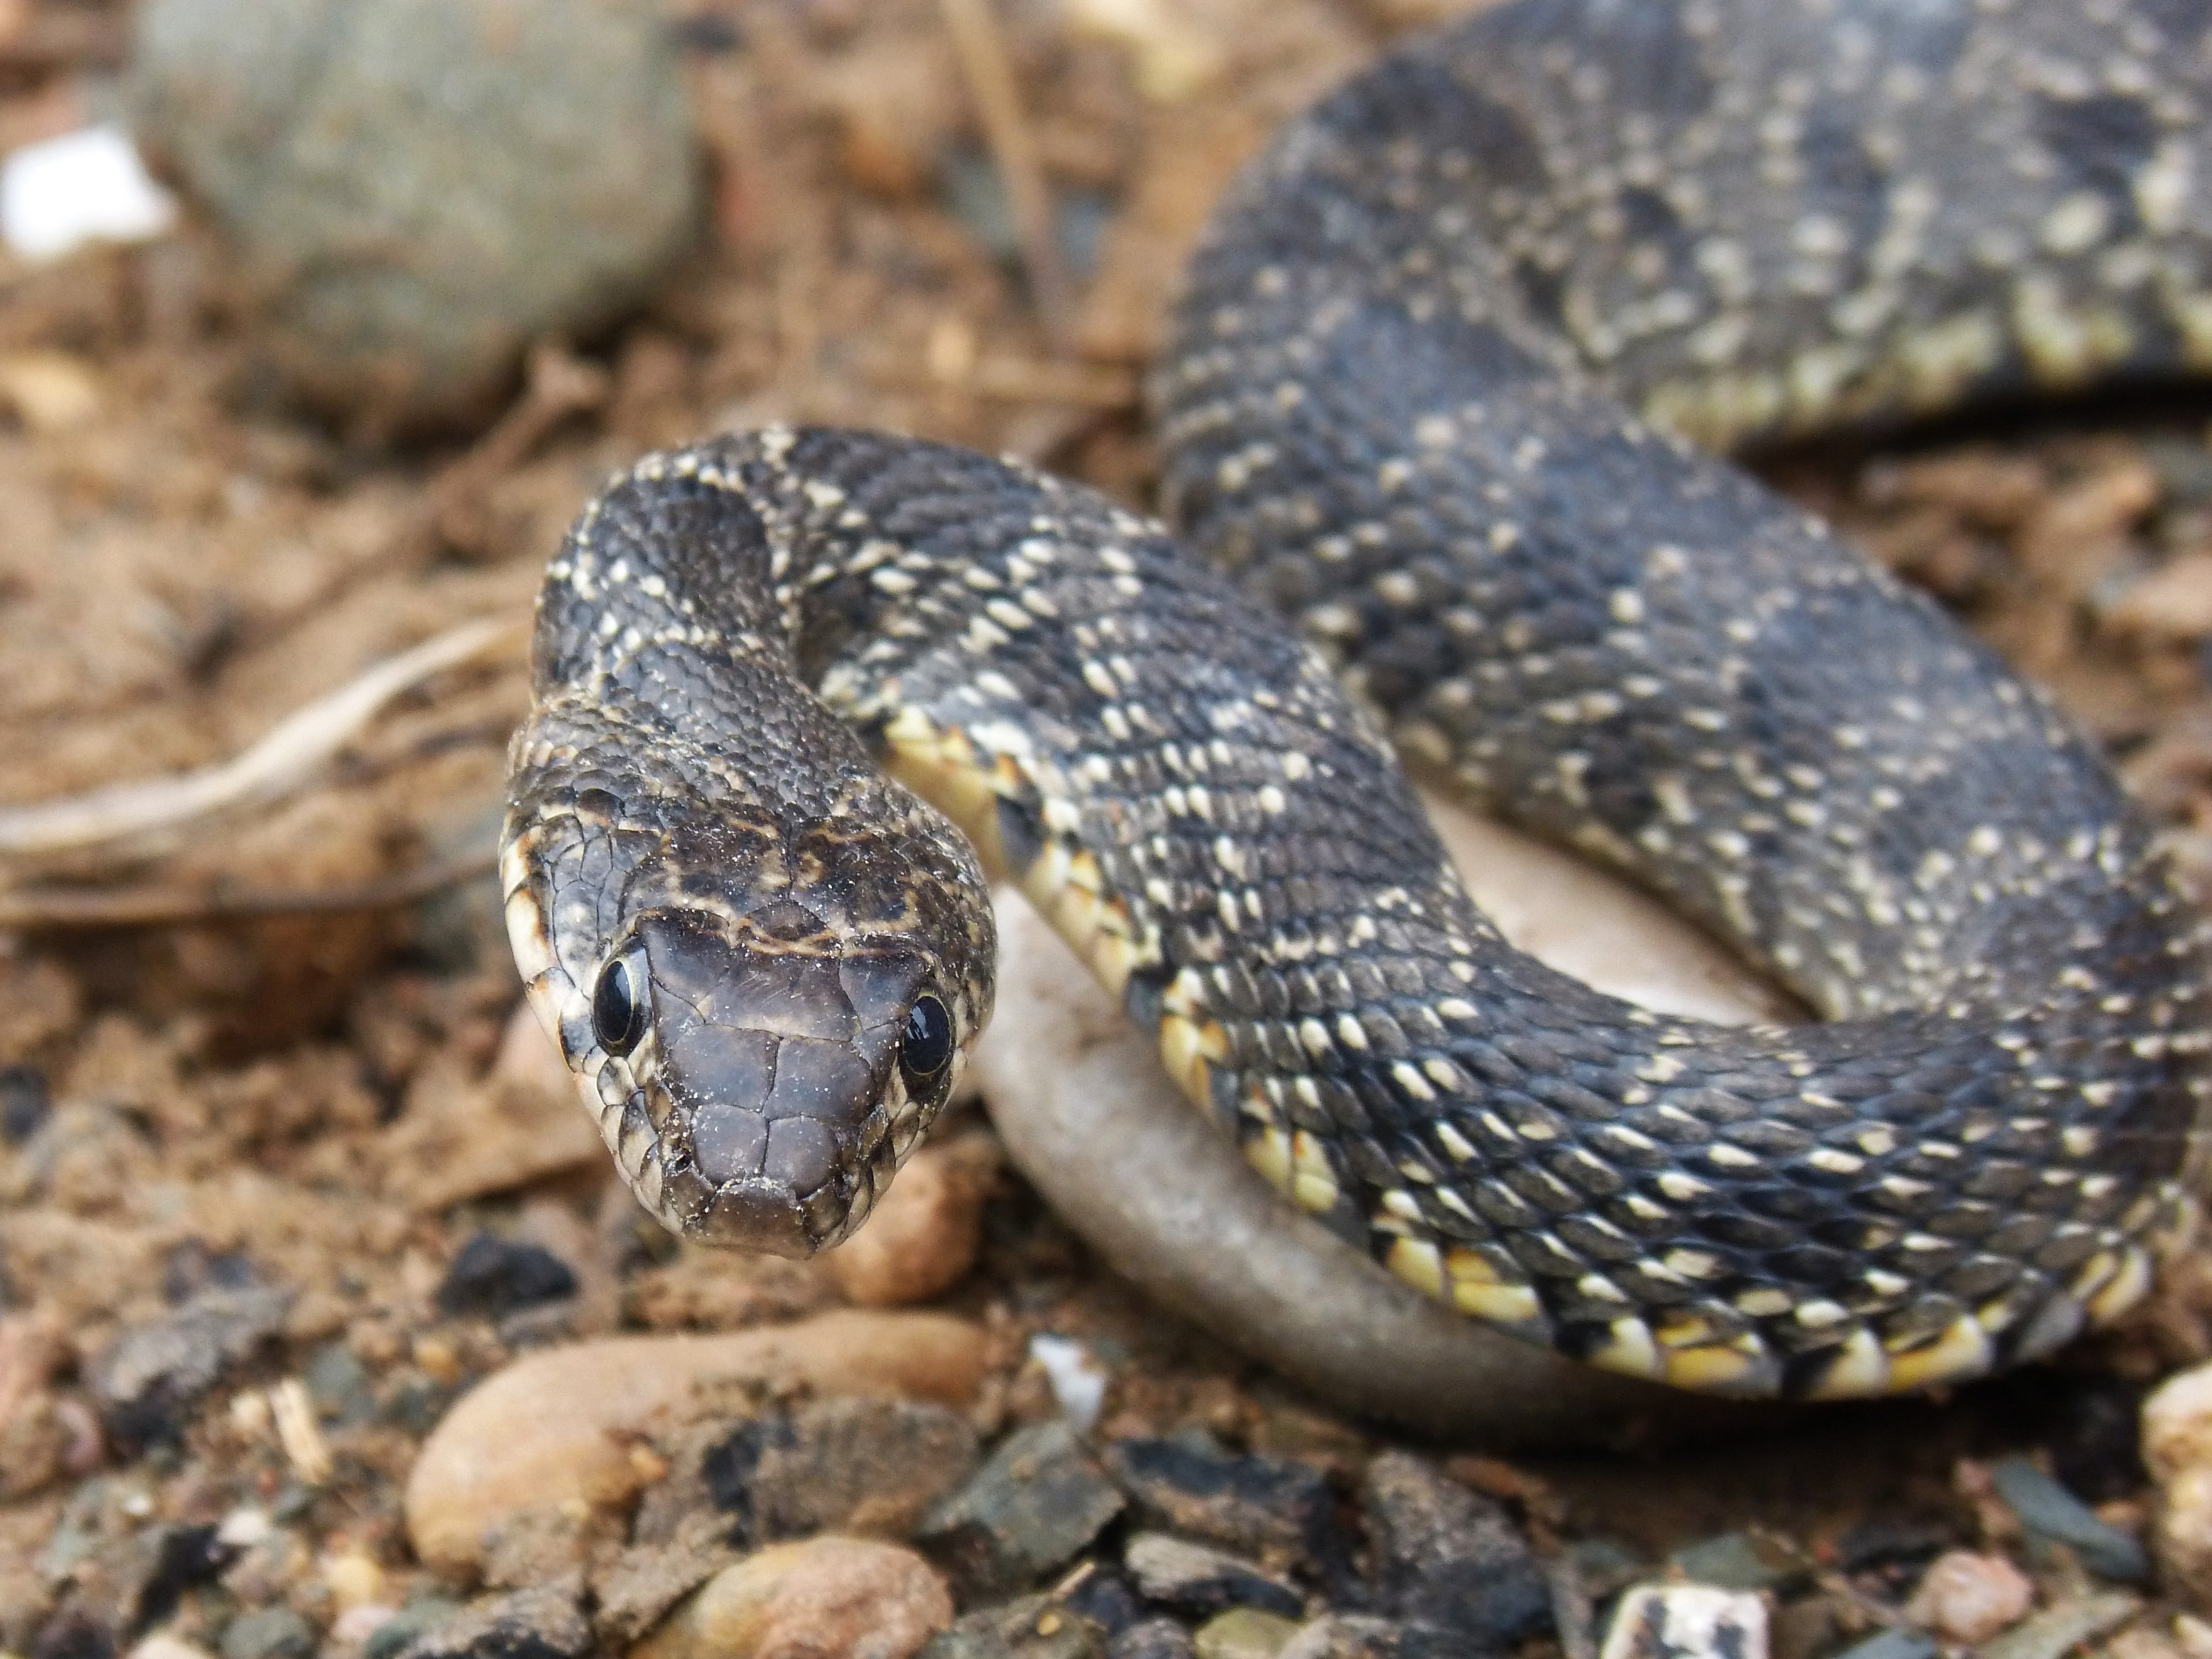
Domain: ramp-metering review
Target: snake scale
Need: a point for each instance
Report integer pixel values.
(1397, 411)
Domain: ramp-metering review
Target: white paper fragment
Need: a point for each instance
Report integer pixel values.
(1079, 1381)
(85, 186)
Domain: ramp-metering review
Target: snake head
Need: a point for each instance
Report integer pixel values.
(760, 1056)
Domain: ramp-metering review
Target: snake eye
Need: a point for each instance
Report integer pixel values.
(926, 1046)
(618, 1005)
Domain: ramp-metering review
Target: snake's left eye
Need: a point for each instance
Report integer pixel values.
(925, 1045)
(618, 1005)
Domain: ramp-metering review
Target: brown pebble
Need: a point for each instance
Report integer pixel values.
(1968, 1597)
(825, 1598)
(551, 1429)
(923, 1237)
(2177, 1442)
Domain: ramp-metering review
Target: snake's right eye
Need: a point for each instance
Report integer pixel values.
(618, 1005)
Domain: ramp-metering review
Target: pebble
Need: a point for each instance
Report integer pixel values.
(1892, 1645)
(1033, 1628)
(1195, 1579)
(1968, 1598)
(1450, 1558)
(1243, 1634)
(268, 1633)
(517, 172)
(1270, 1507)
(2049, 1511)
(2176, 1446)
(1152, 1638)
(152, 1375)
(1740, 1560)
(1361, 1636)
(540, 1623)
(394, 1635)
(1084, 1110)
(26, 1102)
(922, 1239)
(827, 1596)
(493, 1277)
(1686, 1621)
(553, 1428)
(865, 1466)
(1037, 1500)
(2057, 1631)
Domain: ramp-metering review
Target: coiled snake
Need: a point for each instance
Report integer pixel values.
(1396, 411)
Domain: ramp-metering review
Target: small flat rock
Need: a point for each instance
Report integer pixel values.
(1893, 1644)
(1037, 1500)
(1360, 1636)
(1197, 1579)
(153, 1375)
(1740, 1560)
(516, 171)
(493, 1277)
(827, 1595)
(2050, 1512)
(1968, 1597)
(1686, 1621)
(1032, 1627)
(872, 1466)
(637, 1590)
(1270, 1507)
(551, 1429)
(268, 1633)
(542, 1623)
(1244, 1633)
(1450, 1558)
(2059, 1629)
(1153, 1639)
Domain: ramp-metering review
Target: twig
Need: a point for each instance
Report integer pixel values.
(990, 76)
(29, 909)
(557, 385)
(279, 762)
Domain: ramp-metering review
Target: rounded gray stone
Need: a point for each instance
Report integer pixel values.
(1089, 1116)
(418, 188)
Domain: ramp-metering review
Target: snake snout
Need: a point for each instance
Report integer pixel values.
(777, 1049)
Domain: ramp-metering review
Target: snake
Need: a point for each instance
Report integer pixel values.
(1444, 420)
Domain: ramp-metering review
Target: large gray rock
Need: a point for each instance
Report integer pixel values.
(420, 187)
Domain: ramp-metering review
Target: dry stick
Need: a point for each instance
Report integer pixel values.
(990, 76)
(279, 762)
(30, 908)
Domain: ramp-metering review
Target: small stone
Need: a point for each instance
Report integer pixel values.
(1687, 1621)
(2050, 1512)
(554, 1429)
(1270, 1507)
(1360, 1636)
(493, 1277)
(162, 1645)
(268, 1633)
(1448, 1557)
(1038, 1499)
(517, 170)
(393, 1636)
(182, 1558)
(1243, 1634)
(1195, 1579)
(25, 1103)
(826, 1595)
(2177, 1443)
(1968, 1598)
(925, 1232)
(637, 1590)
(153, 1375)
(1152, 1638)
(1740, 1560)
(1892, 1645)
(2057, 1631)
(1033, 1628)
(543, 1623)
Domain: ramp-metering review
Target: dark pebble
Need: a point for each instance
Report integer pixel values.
(1892, 1645)
(1036, 1502)
(338, 1384)
(1890, 1546)
(191, 1267)
(1740, 1560)
(268, 1633)
(1360, 1636)
(26, 1102)
(151, 1377)
(1446, 1557)
(184, 1557)
(391, 1637)
(1201, 1581)
(2049, 1511)
(73, 1634)
(529, 1624)
(1034, 1627)
(1152, 1638)
(1263, 1506)
(1105, 1597)
(493, 1276)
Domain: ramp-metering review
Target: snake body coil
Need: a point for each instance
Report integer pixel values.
(1397, 410)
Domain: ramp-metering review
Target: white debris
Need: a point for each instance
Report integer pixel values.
(85, 186)
(1079, 1381)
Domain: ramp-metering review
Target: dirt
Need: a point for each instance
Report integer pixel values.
(312, 1096)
